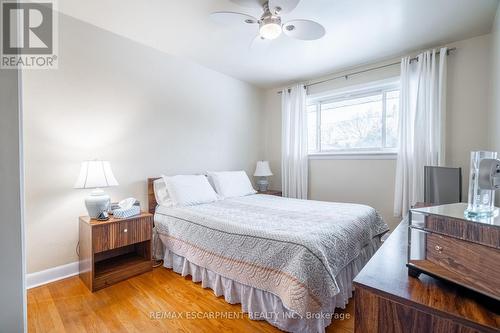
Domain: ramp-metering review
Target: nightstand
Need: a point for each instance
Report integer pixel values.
(114, 250)
(271, 192)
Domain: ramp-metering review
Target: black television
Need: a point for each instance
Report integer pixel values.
(442, 185)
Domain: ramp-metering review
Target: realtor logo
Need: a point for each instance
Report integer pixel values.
(28, 34)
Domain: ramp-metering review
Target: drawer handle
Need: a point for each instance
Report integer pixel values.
(438, 248)
(125, 230)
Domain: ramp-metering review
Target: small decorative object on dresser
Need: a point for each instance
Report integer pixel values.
(271, 192)
(114, 250)
(483, 181)
(95, 175)
(263, 171)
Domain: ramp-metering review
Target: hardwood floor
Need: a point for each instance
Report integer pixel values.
(68, 306)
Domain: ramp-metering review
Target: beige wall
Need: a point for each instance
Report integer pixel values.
(494, 120)
(372, 181)
(468, 103)
(495, 87)
(272, 135)
(146, 112)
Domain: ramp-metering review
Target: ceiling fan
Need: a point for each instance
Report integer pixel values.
(270, 23)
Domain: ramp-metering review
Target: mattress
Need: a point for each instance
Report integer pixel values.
(293, 249)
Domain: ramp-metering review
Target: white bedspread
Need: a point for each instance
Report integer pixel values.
(291, 248)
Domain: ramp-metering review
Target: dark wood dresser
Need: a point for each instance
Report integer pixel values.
(388, 300)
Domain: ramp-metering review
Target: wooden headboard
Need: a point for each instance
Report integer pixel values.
(151, 195)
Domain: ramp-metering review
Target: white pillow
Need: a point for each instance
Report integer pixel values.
(161, 193)
(189, 190)
(229, 184)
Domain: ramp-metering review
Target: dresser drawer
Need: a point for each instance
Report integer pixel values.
(114, 235)
(129, 232)
(476, 264)
(478, 233)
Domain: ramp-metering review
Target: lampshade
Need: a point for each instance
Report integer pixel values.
(262, 169)
(94, 174)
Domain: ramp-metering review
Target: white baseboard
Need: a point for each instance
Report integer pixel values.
(52, 274)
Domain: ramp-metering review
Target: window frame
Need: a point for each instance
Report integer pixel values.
(351, 92)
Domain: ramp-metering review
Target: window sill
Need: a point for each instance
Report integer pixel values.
(375, 155)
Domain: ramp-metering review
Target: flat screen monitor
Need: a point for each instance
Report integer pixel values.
(442, 185)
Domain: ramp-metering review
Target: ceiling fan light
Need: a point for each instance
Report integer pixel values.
(270, 30)
(270, 27)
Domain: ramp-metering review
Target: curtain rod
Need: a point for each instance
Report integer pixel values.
(346, 76)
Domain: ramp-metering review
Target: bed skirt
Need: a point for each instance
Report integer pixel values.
(263, 305)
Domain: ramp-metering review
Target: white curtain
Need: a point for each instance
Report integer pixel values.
(421, 125)
(294, 161)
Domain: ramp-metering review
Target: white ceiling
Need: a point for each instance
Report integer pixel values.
(357, 32)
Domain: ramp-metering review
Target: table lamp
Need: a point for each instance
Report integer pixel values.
(263, 171)
(95, 175)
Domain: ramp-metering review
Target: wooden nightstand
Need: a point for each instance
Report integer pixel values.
(114, 250)
(271, 192)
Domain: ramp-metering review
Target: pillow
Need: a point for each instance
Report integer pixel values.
(189, 190)
(229, 184)
(161, 193)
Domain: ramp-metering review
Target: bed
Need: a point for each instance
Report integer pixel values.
(287, 261)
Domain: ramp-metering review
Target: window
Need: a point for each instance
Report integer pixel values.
(361, 121)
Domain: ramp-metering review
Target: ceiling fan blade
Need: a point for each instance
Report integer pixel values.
(249, 3)
(233, 18)
(303, 29)
(282, 6)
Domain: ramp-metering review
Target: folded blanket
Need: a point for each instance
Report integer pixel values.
(291, 248)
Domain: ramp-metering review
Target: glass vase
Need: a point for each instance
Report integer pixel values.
(481, 202)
